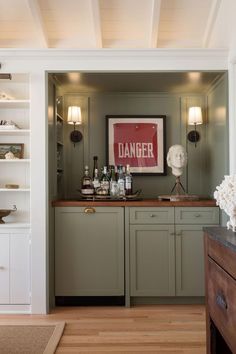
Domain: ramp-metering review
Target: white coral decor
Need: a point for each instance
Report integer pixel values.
(225, 196)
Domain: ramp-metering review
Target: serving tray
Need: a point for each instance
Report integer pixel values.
(135, 196)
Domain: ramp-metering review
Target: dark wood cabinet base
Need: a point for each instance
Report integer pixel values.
(220, 283)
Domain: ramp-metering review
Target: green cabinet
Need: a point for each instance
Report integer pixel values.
(89, 251)
(189, 260)
(166, 250)
(152, 260)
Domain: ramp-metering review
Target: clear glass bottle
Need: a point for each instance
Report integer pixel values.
(96, 182)
(87, 184)
(121, 180)
(128, 181)
(114, 187)
(105, 183)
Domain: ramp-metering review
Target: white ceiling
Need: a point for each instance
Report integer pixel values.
(84, 24)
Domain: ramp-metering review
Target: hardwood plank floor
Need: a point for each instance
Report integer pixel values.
(167, 329)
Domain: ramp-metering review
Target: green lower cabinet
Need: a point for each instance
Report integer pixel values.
(189, 260)
(152, 260)
(89, 251)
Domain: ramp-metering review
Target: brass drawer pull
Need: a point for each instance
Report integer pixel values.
(197, 215)
(89, 210)
(152, 215)
(220, 300)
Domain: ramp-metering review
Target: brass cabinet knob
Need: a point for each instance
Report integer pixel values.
(89, 211)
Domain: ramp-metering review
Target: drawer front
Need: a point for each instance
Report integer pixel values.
(150, 215)
(224, 256)
(221, 301)
(195, 215)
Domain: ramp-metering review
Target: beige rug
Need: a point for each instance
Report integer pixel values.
(32, 338)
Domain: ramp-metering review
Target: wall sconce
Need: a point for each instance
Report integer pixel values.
(194, 118)
(74, 117)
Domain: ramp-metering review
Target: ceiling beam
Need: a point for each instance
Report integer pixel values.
(97, 23)
(154, 30)
(211, 22)
(38, 20)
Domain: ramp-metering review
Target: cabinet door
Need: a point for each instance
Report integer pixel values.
(4, 269)
(189, 260)
(152, 260)
(89, 251)
(19, 269)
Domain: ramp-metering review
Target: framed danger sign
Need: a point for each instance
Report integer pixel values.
(138, 141)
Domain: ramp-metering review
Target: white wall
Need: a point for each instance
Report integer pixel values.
(37, 63)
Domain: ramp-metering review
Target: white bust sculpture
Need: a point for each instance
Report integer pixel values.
(177, 159)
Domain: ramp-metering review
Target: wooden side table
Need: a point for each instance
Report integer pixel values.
(220, 278)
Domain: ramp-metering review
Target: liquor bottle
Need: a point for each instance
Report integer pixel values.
(96, 182)
(87, 184)
(121, 180)
(95, 165)
(112, 174)
(105, 183)
(128, 181)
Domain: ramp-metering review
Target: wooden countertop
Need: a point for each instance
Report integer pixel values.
(222, 235)
(136, 203)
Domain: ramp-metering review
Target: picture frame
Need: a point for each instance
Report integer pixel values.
(139, 141)
(15, 148)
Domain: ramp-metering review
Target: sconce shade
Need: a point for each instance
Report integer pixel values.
(195, 116)
(74, 115)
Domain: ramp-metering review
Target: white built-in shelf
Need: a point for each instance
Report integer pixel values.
(14, 131)
(14, 103)
(11, 225)
(14, 160)
(14, 189)
(60, 117)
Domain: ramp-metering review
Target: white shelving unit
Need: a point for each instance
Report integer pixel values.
(17, 171)
(15, 235)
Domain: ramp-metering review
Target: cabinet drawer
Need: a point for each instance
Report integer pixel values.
(152, 215)
(194, 215)
(221, 301)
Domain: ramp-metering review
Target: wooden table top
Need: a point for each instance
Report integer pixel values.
(134, 203)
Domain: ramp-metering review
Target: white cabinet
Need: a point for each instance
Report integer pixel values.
(15, 268)
(4, 269)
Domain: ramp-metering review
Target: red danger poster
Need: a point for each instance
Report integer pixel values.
(138, 142)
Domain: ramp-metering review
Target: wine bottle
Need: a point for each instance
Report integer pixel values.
(87, 184)
(96, 182)
(105, 183)
(128, 181)
(95, 165)
(121, 181)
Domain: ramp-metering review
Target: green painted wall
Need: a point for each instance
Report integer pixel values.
(198, 177)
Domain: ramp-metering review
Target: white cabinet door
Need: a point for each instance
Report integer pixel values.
(4, 269)
(19, 269)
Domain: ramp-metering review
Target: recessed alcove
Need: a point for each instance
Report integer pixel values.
(140, 93)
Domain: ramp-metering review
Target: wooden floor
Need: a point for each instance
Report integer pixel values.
(167, 329)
